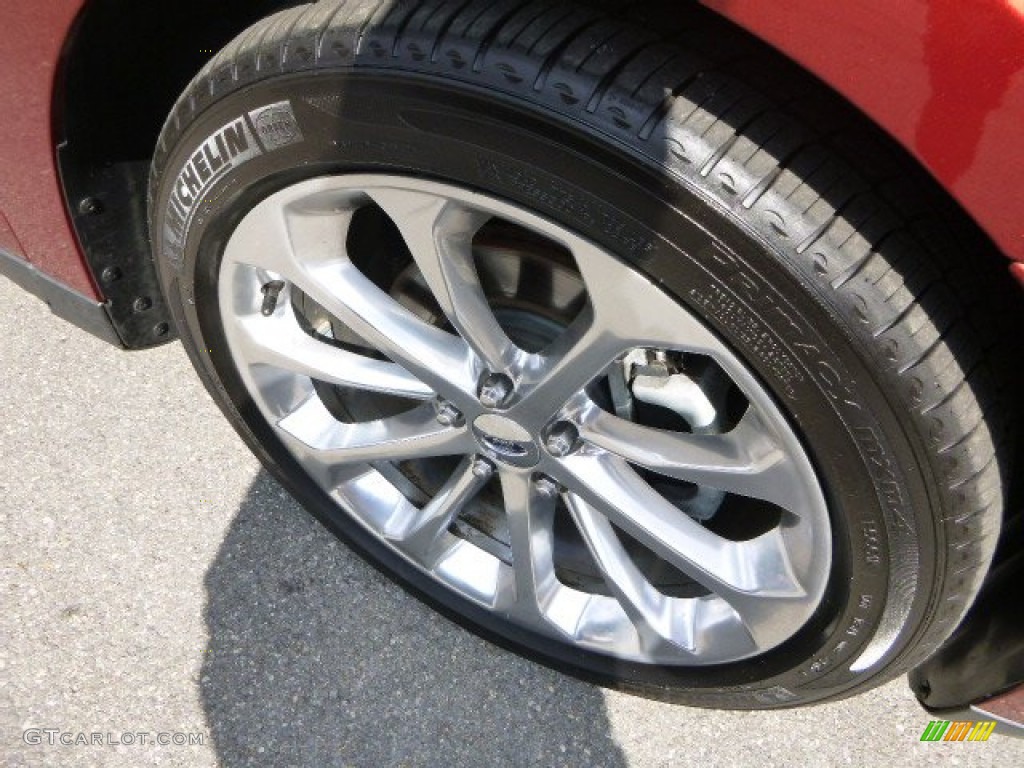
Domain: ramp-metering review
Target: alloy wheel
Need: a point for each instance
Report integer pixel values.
(588, 461)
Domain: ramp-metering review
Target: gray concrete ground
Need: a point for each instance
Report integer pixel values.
(156, 580)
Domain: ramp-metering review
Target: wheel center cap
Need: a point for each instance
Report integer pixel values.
(504, 440)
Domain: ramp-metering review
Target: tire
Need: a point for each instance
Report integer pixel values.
(812, 511)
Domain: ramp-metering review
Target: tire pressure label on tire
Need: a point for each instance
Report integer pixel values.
(228, 148)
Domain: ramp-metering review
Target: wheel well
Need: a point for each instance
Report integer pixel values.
(123, 66)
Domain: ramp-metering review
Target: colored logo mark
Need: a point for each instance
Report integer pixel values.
(958, 730)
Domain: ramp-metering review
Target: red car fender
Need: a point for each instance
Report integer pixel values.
(31, 199)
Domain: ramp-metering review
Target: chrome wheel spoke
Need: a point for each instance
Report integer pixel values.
(760, 566)
(755, 578)
(280, 342)
(439, 233)
(574, 360)
(414, 434)
(421, 536)
(304, 244)
(530, 517)
(628, 306)
(658, 619)
(608, 327)
(436, 358)
(288, 238)
(744, 461)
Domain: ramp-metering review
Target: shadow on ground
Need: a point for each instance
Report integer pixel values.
(316, 660)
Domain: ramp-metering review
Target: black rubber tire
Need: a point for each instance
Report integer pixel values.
(835, 285)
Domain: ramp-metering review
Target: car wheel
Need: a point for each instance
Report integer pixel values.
(522, 302)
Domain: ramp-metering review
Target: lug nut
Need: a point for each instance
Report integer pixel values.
(562, 439)
(482, 467)
(495, 389)
(447, 414)
(546, 487)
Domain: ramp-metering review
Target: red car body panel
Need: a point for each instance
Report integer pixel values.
(945, 78)
(32, 35)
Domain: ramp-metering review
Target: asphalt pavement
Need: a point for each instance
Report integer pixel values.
(157, 584)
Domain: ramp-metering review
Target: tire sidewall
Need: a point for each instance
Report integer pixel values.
(749, 293)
